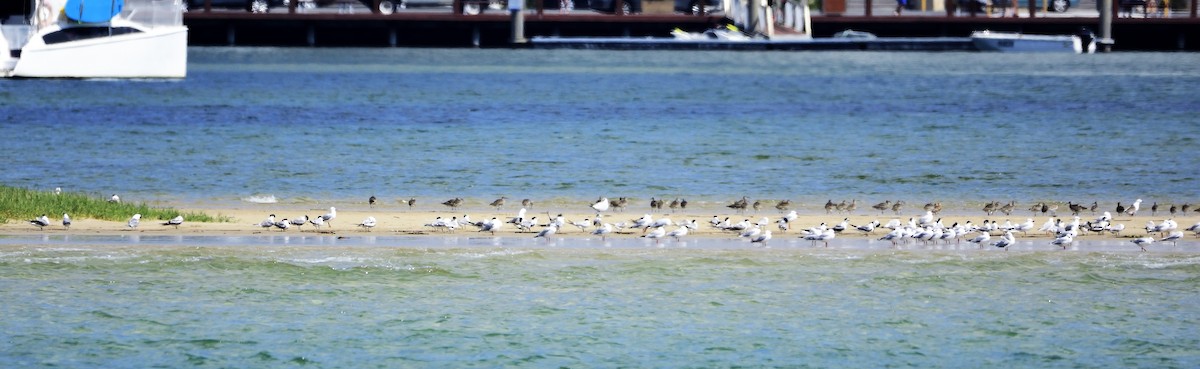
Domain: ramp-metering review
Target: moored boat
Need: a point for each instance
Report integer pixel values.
(1018, 42)
(99, 39)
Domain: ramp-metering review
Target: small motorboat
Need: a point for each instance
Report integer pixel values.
(1018, 42)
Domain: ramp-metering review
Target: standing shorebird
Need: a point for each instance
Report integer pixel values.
(883, 206)
(678, 233)
(1133, 209)
(300, 222)
(1173, 238)
(657, 234)
(368, 223)
(133, 222)
(582, 224)
(66, 221)
(499, 203)
(981, 239)
(492, 226)
(328, 218)
(268, 223)
(1143, 242)
(371, 201)
(40, 222)
(739, 205)
(601, 204)
(550, 230)
(761, 238)
(176, 221)
(527, 203)
(603, 231)
(1005, 241)
(1064, 240)
(783, 205)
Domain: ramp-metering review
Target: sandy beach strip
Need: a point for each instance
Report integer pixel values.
(400, 220)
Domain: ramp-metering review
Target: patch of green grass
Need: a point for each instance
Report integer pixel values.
(24, 204)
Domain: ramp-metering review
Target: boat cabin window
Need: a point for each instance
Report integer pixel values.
(84, 33)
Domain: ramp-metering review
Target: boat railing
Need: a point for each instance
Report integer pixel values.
(765, 18)
(154, 13)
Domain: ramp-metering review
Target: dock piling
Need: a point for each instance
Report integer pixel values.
(518, 22)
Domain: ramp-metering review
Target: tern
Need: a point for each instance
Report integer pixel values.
(1143, 242)
(547, 232)
(657, 234)
(41, 222)
(368, 223)
(603, 231)
(762, 238)
(601, 205)
(176, 221)
(133, 222)
(678, 233)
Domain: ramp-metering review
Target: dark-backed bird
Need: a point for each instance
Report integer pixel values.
(40, 222)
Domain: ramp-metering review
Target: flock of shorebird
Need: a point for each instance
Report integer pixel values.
(926, 228)
(319, 222)
(43, 221)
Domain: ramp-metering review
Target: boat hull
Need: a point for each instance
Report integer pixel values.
(1016, 42)
(157, 53)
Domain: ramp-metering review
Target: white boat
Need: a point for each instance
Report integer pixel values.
(98, 39)
(1017, 42)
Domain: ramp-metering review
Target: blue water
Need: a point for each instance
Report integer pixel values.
(334, 125)
(331, 126)
(427, 305)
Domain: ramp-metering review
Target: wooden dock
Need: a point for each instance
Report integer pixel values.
(438, 29)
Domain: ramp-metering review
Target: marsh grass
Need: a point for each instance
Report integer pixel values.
(24, 204)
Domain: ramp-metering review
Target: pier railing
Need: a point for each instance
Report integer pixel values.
(866, 8)
(154, 13)
(1007, 8)
(770, 18)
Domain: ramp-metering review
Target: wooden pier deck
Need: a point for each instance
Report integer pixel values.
(444, 29)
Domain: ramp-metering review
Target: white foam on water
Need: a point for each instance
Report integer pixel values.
(261, 199)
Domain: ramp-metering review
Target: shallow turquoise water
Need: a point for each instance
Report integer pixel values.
(427, 305)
